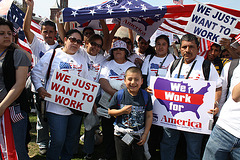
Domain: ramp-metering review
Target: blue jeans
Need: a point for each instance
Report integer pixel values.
(220, 144)
(170, 140)
(89, 140)
(19, 133)
(64, 130)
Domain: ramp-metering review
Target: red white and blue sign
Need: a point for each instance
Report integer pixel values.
(183, 104)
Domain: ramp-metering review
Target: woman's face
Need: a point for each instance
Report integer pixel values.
(161, 47)
(119, 54)
(5, 36)
(72, 43)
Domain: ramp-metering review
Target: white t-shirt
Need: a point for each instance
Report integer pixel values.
(114, 72)
(152, 68)
(95, 64)
(39, 48)
(75, 64)
(196, 73)
(230, 113)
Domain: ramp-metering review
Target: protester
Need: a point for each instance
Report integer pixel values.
(134, 116)
(214, 57)
(39, 48)
(112, 80)
(95, 61)
(225, 137)
(14, 68)
(189, 67)
(144, 48)
(64, 125)
(234, 52)
(157, 65)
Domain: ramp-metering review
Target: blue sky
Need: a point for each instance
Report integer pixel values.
(42, 7)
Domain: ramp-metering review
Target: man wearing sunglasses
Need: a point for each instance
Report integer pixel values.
(39, 48)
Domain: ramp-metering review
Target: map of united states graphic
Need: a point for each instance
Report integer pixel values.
(179, 97)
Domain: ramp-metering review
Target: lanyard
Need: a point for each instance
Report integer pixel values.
(189, 70)
(2, 52)
(161, 64)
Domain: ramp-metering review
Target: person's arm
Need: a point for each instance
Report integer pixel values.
(61, 30)
(105, 34)
(130, 34)
(105, 85)
(16, 90)
(218, 94)
(27, 21)
(117, 112)
(236, 93)
(226, 43)
(148, 124)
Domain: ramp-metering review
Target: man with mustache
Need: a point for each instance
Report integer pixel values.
(39, 48)
(189, 67)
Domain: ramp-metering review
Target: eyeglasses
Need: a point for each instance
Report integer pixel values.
(74, 40)
(96, 44)
(88, 33)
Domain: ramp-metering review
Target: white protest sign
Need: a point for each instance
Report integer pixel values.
(72, 91)
(210, 23)
(143, 29)
(183, 104)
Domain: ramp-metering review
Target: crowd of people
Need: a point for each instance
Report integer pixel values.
(123, 106)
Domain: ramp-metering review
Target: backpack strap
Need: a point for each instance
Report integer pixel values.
(206, 69)
(233, 65)
(145, 96)
(174, 65)
(119, 96)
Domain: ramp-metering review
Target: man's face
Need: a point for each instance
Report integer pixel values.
(214, 52)
(189, 51)
(143, 45)
(48, 33)
(93, 48)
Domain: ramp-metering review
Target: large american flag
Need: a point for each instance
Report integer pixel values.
(16, 16)
(175, 16)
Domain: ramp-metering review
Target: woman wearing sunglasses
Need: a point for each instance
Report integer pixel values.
(64, 124)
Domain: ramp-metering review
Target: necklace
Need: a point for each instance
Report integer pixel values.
(2, 52)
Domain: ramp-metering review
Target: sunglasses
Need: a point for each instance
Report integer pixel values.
(121, 49)
(96, 44)
(74, 40)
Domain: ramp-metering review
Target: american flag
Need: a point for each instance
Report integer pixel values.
(16, 16)
(204, 47)
(238, 38)
(179, 2)
(115, 9)
(7, 146)
(15, 114)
